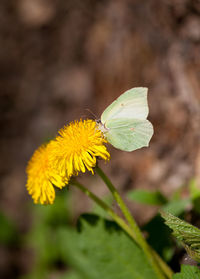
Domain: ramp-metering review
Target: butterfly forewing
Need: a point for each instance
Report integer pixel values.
(131, 105)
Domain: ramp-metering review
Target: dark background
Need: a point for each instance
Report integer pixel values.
(59, 58)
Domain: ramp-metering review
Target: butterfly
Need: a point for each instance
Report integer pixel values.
(124, 122)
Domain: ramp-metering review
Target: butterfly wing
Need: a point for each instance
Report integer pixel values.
(129, 134)
(132, 105)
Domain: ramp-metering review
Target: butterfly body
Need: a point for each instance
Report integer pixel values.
(124, 122)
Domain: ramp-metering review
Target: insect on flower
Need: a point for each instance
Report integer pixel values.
(76, 148)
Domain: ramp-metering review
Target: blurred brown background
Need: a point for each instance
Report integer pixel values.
(59, 58)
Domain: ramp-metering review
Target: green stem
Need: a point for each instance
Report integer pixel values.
(121, 204)
(156, 262)
(104, 206)
(167, 270)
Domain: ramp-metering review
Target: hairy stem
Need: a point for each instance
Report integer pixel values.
(104, 206)
(156, 262)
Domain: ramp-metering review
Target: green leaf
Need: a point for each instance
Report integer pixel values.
(158, 236)
(147, 197)
(188, 272)
(159, 233)
(194, 190)
(188, 234)
(195, 195)
(100, 249)
(176, 207)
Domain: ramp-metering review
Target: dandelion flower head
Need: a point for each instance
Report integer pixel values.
(42, 176)
(76, 147)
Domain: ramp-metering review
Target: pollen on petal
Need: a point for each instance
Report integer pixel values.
(77, 147)
(41, 177)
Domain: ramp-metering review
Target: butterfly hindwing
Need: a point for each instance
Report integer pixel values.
(129, 134)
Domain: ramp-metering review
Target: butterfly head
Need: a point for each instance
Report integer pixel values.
(101, 126)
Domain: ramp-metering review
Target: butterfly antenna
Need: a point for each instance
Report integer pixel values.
(92, 113)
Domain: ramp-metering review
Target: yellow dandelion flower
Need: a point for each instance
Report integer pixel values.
(76, 148)
(42, 177)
